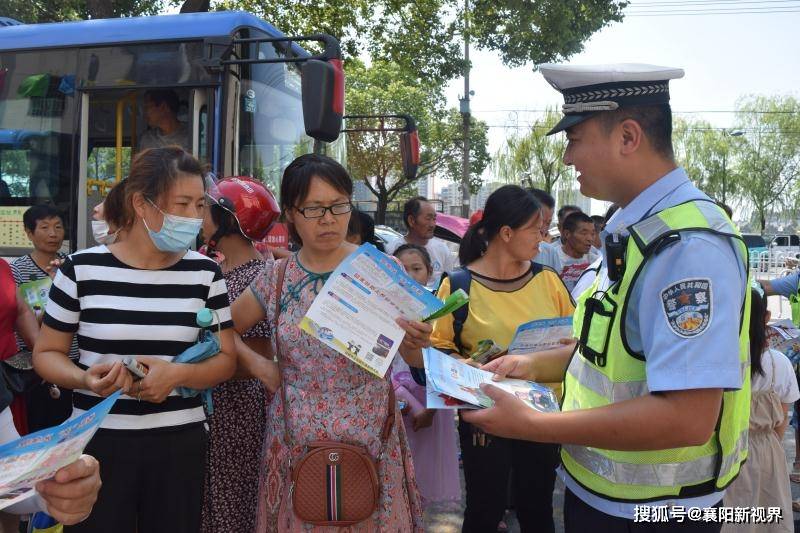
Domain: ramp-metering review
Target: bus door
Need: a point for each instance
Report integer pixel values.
(116, 124)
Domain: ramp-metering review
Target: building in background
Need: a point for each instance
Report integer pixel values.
(451, 199)
(361, 192)
(425, 187)
(478, 201)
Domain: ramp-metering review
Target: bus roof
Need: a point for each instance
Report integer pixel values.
(86, 33)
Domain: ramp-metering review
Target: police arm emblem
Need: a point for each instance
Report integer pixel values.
(687, 306)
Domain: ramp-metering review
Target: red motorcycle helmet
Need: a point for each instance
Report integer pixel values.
(254, 207)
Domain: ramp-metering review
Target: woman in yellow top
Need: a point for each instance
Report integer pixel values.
(506, 289)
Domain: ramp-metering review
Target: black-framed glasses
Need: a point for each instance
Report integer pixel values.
(319, 211)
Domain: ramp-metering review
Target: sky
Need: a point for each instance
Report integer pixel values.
(725, 56)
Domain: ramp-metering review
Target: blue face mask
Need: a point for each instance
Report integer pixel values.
(176, 233)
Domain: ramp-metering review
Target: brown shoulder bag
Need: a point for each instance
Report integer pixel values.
(333, 483)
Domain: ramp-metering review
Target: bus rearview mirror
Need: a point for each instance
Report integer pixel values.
(323, 98)
(409, 153)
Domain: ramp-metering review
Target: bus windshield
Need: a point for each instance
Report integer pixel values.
(37, 118)
(271, 130)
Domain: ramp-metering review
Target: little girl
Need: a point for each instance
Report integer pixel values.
(764, 478)
(431, 433)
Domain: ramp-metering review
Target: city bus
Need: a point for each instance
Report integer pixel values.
(73, 105)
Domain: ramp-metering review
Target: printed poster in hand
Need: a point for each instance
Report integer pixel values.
(453, 378)
(539, 335)
(35, 292)
(356, 309)
(33, 458)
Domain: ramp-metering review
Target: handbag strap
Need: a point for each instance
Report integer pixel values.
(391, 414)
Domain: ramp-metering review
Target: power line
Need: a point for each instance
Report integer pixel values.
(713, 8)
(674, 112)
(702, 14)
(744, 130)
(703, 3)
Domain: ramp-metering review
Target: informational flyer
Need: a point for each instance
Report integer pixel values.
(539, 335)
(356, 309)
(35, 292)
(783, 335)
(38, 456)
(437, 400)
(453, 378)
(780, 331)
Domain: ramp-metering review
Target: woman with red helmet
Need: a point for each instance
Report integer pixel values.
(241, 213)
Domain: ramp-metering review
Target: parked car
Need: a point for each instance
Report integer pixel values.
(386, 234)
(788, 244)
(771, 252)
(756, 248)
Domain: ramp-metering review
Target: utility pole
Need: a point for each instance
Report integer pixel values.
(465, 115)
(732, 133)
(724, 176)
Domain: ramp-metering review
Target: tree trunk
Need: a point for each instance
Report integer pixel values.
(380, 212)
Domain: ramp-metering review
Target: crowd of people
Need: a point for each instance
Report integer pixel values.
(666, 379)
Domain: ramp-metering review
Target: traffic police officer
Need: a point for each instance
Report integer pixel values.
(656, 399)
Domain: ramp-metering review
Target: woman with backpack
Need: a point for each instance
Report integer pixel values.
(498, 272)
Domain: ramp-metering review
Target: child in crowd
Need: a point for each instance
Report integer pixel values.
(764, 478)
(431, 433)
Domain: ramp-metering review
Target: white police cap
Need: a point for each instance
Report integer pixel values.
(590, 89)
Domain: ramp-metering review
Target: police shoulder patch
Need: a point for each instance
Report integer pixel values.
(687, 306)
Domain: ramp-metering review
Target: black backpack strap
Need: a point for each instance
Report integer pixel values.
(459, 279)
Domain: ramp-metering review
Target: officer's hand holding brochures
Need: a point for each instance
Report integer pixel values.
(533, 336)
(356, 309)
(38, 456)
(453, 384)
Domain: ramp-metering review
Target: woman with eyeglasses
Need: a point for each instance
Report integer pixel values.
(329, 396)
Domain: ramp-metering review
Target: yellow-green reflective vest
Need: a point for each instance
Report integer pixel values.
(794, 303)
(605, 370)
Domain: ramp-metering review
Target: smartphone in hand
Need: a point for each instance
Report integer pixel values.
(136, 368)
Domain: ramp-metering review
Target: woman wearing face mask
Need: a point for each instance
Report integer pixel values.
(139, 297)
(106, 216)
(329, 397)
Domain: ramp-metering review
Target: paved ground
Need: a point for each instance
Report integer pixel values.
(447, 518)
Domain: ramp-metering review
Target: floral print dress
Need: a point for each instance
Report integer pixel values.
(330, 398)
(236, 434)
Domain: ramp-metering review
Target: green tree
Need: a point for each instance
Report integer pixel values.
(770, 158)
(409, 34)
(374, 157)
(445, 142)
(422, 35)
(710, 157)
(534, 159)
(539, 31)
(61, 10)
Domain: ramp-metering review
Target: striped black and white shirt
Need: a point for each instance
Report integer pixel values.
(117, 311)
(24, 269)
